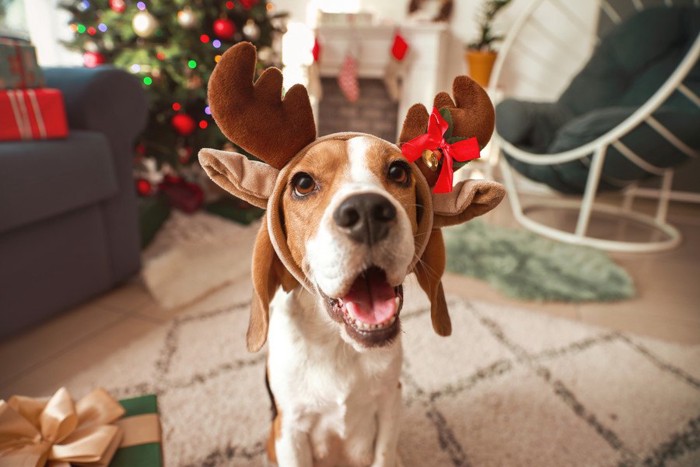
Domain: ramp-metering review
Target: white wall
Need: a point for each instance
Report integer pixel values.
(463, 29)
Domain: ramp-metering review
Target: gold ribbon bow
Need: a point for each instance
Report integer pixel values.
(58, 432)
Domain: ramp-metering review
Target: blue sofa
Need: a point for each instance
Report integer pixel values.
(68, 213)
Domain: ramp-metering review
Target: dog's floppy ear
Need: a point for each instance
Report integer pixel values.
(429, 273)
(247, 179)
(468, 199)
(268, 275)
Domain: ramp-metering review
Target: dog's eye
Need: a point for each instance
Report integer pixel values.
(399, 172)
(303, 184)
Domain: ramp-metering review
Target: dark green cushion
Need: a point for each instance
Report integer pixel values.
(627, 68)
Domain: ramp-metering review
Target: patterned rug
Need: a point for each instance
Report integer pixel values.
(509, 387)
(526, 266)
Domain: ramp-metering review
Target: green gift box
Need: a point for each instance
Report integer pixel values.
(140, 411)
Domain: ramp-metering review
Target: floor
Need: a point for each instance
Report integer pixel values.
(667, 307)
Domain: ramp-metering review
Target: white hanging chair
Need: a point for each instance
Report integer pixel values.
(522, 71)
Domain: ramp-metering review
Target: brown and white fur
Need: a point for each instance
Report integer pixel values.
(336, 386)
(348, 218)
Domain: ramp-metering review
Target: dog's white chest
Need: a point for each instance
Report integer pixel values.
(322, 386)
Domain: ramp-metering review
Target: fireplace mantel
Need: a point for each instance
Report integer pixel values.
(425, 63)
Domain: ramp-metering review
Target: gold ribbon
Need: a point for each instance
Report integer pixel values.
(57, 432)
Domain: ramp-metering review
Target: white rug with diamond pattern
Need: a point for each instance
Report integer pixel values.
(509, 387)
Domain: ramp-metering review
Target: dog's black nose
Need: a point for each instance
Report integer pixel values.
(366, 217)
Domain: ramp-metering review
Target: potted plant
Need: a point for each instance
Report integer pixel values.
(480, 54)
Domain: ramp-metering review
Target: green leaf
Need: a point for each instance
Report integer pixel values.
(445, 112)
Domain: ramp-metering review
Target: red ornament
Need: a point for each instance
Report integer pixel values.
(399, 47)
(224, 28)
(433, 148)
(118, 6)
(144, 187)
(248, 4)
(185, 196)
(183, 124)
(93, 59)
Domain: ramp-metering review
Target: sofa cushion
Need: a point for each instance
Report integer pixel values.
(40, 179)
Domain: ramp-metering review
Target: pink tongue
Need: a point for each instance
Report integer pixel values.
(371, 299)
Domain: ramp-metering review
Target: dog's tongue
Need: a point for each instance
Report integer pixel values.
(371, 299)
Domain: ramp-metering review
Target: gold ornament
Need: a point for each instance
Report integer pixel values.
(144, 24)
(432, 159)
(187, 18)
(251, 30)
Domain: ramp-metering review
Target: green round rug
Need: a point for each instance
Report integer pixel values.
(525, 266)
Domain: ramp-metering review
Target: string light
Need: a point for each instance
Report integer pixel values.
(176, 106)
(74, 27)
(102, 27)
(203, 124)
(141, 6)
(229, 5)
(207, 110)
(135, 68)
(92, 31)
(192, 64)
(216, 43)
(81, 28)
(204, 38)
(147, 80)
(160, 56)
(217, 58)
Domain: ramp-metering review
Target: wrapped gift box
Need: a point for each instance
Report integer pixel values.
(143, 410)
(19, 68)
(95, 431)
(32, 114)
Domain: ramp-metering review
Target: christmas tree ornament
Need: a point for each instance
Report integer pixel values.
(248, 4)
(251, 30)
(118, 6)
(144, 187)
(93, 59)
(183, 124)
(144, 24)
(187, 18)
(90, 46)
(224, 28)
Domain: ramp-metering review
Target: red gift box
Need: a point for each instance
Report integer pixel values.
(32, 114)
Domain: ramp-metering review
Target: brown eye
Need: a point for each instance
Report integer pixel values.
(399, 172)
(303, 184)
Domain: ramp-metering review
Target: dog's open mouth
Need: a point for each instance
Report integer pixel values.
(370, 309)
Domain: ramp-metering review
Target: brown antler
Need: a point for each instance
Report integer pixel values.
(254, 116)
(472, 115)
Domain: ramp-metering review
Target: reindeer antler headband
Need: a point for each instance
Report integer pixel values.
(279, 129)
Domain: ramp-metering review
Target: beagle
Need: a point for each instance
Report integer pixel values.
(349, 216)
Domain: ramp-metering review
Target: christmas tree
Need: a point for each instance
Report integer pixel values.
(172, 46)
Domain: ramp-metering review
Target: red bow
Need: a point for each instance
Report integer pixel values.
(434, 142)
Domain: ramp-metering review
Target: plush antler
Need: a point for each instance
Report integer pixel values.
(255, 116)
(472, 115)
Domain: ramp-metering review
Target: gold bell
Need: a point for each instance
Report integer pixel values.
(432, 159)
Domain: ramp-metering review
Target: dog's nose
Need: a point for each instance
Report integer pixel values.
(366, 217)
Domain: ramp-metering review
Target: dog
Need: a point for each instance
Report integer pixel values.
(348, 217)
